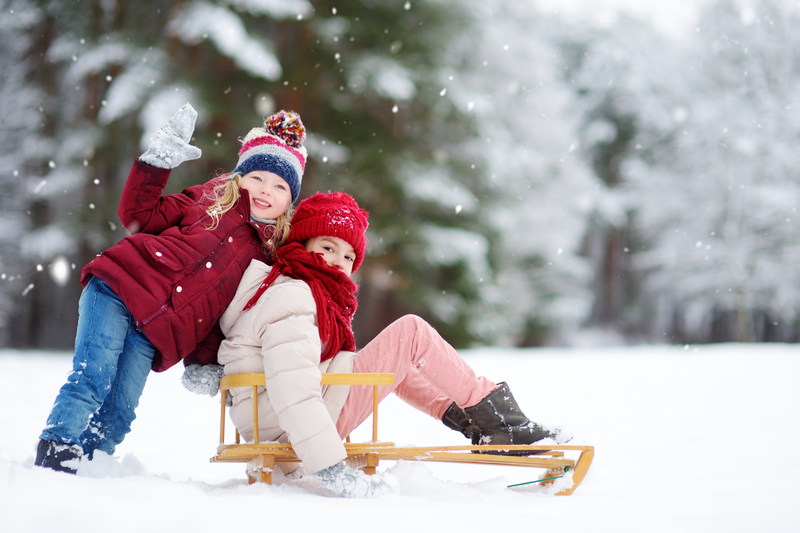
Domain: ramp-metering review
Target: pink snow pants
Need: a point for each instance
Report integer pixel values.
(428, 373)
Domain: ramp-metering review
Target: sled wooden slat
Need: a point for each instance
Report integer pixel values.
(256, 380)
(261, 458)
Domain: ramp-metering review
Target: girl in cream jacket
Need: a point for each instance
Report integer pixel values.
(292, 321)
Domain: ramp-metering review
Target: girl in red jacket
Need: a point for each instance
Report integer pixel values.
(153, 298)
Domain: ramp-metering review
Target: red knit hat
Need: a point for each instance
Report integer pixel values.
(334, 214)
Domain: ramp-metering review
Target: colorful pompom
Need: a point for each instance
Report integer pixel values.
(286, 125)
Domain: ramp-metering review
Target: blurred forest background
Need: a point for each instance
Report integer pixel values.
(531, 179)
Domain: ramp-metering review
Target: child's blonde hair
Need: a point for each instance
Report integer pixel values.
(224, 196)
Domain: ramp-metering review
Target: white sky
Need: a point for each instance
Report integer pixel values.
(674, 17)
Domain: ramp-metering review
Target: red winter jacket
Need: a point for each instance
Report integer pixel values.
(175, 276)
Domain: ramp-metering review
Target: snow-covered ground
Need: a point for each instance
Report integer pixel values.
(687, 439)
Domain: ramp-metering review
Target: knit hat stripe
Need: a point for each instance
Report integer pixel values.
(273, 147)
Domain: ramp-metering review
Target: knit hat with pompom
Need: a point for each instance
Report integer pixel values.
(334, 214)
(277, 148)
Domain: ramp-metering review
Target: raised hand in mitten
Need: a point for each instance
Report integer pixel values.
(170, 146)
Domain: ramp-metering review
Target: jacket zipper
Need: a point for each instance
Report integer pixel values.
(198, 221)
(147, 320)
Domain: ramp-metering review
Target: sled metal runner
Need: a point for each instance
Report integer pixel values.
(261, 458)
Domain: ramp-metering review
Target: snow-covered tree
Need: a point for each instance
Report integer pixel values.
(539, 194)
(20, 126)
(616, 75)
(694, 140)
(720, 207)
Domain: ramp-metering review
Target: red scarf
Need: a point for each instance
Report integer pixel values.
(333, 291)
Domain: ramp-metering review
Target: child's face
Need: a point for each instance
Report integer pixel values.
(270, 195)
(337, 252)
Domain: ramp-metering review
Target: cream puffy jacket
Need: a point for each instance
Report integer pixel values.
(279, 337)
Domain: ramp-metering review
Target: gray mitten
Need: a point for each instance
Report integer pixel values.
(203, 379)
(344, 481)
(170, 146)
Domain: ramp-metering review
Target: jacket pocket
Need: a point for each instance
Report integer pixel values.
(161, 254)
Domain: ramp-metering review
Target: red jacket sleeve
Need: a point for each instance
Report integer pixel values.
(142, 208)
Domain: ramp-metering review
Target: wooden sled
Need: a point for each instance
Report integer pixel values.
(261, 458)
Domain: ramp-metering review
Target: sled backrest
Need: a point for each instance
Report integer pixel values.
(256, 380)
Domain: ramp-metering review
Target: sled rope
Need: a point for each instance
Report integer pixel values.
(566, 469)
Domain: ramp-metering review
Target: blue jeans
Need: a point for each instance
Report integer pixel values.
(112, 360)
